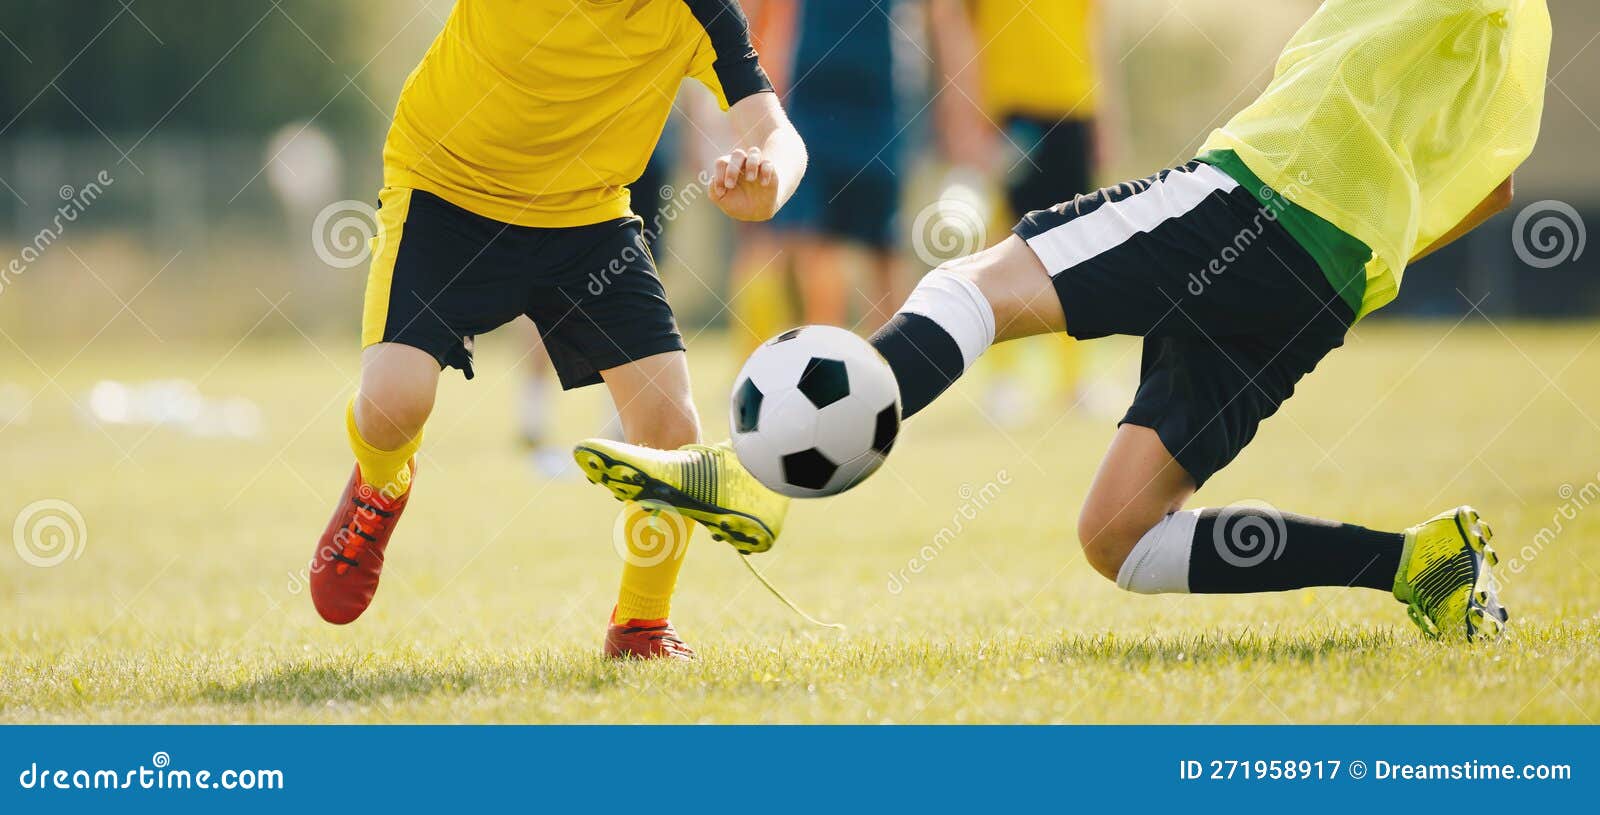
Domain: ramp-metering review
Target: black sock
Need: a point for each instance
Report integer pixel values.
(1239, 550)
(924, 357)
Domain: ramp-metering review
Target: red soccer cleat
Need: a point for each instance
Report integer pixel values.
(646, 639)
(349, 558)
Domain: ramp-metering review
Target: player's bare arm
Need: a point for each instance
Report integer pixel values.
(966, 135)
(1497, 202)
(754, 179)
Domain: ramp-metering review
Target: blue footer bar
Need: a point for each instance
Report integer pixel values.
(787, 769)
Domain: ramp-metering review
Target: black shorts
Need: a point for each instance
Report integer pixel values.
(1057, 160)
(1233, 310)
(441, 275)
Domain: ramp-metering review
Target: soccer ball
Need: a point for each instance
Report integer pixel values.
(814, 411)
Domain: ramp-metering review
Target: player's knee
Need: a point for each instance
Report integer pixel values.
(1015, 286)
(977, 269)
(1106, 538)
(391, 416)
(398, 384)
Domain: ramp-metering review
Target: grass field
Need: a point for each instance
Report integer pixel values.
(187, 602)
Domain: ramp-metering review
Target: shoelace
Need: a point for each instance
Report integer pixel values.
(360, 535)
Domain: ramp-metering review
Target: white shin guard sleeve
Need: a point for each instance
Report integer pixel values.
(959, 307)
(1159, 563)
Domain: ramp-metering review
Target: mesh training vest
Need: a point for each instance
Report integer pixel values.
(1393, 119)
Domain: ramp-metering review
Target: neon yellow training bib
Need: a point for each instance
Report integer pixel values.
(1393, 119)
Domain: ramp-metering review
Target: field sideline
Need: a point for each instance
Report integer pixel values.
(955, 568)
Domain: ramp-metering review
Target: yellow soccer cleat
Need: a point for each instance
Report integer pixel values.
(1445, 578)
(703, 482)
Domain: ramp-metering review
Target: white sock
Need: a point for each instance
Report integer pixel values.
(533, 409)
(1159, 563)
(958, 306)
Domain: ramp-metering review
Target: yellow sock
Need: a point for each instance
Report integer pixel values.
(1068, 366)
(762, 308)
(383, 470)
(1005, 359)
(652, 547)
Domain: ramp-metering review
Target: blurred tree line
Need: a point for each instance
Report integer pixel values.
(188, 104)
(189, 65)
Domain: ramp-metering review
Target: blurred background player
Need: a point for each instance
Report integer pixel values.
(851, 71)
(759, 274)
(844, 218)
(1047, 89)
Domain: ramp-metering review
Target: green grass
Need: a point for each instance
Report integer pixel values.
(187, 603)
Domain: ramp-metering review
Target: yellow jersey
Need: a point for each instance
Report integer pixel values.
(1037, 57)
(1394, 119)
(541, 112)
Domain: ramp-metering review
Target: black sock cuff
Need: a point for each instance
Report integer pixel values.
(924, 357)
(1246, 549)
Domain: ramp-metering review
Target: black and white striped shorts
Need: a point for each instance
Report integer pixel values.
(1233, 310)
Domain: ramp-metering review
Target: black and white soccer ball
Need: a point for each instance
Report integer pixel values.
(815, 411)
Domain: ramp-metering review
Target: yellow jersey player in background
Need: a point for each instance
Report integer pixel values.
(506, 178)
(1391, 128)
(1046, 87)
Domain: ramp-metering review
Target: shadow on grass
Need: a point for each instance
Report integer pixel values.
(408, 674)
(317, 682)
(1118, 650)
(1246, 646)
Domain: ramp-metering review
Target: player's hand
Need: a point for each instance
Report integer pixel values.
(745, 185)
